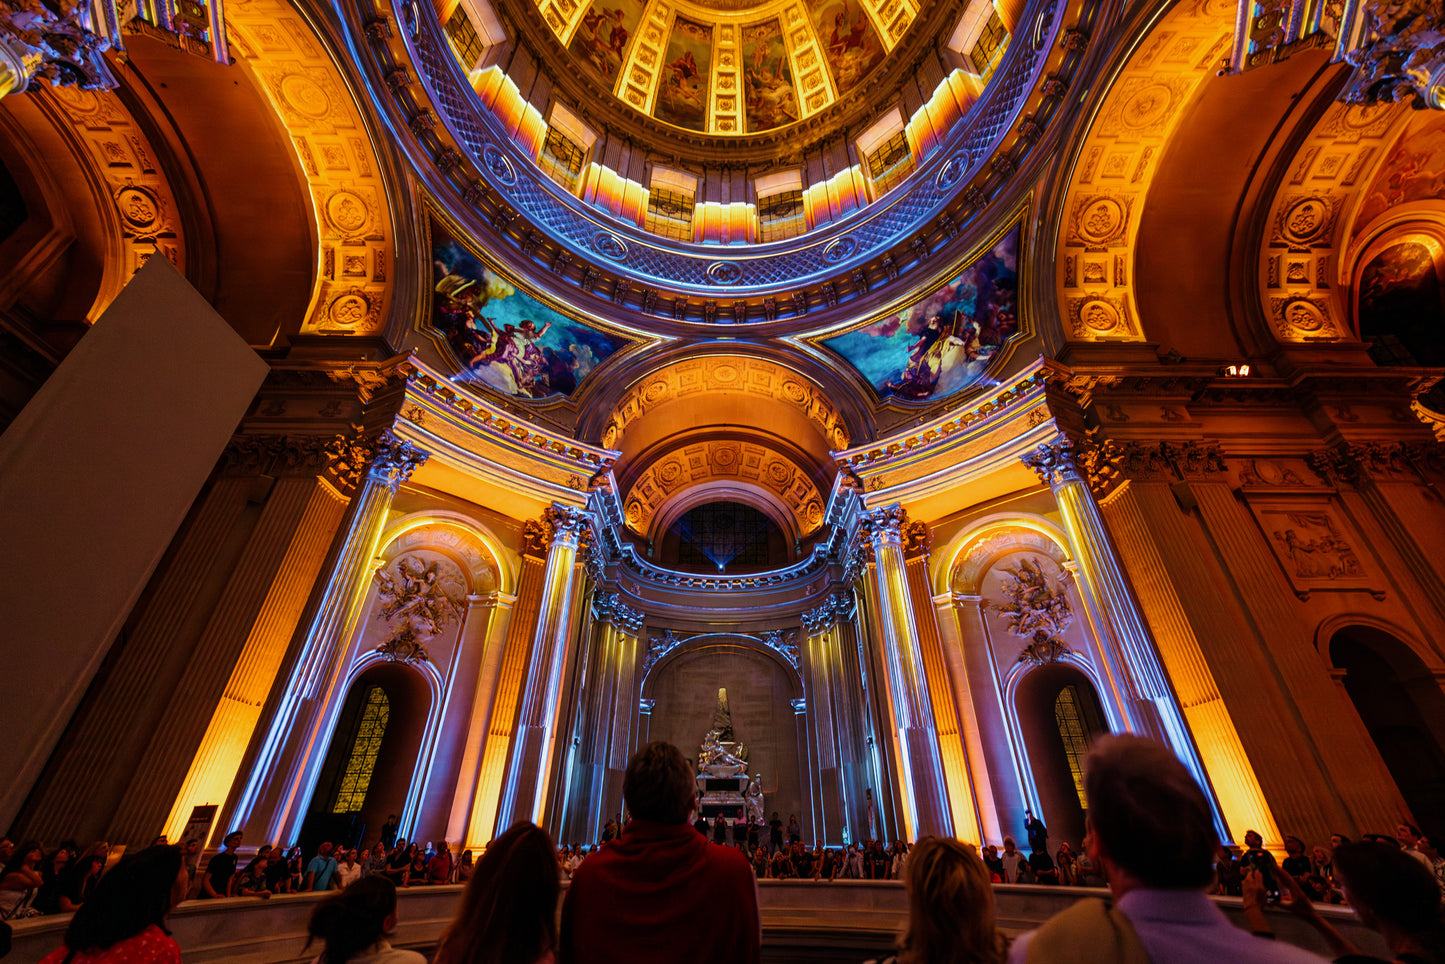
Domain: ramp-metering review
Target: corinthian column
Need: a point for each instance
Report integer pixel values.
(925, 797)
(529, 772)
(283, 769)
(1133, 662)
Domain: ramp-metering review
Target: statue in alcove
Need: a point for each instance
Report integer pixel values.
(721, 754)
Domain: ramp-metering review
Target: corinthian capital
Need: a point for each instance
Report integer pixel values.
(383, 458)
(1061, 460)
(885, 523)
(566, 522)
(394, 460)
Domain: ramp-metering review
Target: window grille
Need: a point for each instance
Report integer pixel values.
(1075, 734)
(782, 216)
(989, 48)
(465, 42)
(669, 213)
(890, 163)
(562, 158)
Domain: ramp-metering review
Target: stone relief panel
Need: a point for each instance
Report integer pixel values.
(1315, 546)
(1094, 273)
(1028, 605)
(352, 290)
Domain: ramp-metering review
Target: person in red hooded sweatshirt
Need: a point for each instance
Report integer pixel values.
(661, 893)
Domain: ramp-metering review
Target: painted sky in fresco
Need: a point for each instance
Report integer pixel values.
(945, 342)
(504, 338)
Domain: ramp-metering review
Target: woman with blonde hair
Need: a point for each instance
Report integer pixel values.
(951, 916)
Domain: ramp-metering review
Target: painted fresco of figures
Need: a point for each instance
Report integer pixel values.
(767, 80)
(601, 39)
(850, 43)
(686, 76)
(946, 341)
(505, 339)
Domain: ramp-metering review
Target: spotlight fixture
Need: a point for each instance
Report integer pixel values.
(1235, 371)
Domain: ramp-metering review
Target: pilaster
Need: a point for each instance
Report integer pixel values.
(528, 775)
(488, 618)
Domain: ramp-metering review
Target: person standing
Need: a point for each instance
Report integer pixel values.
(775, 832)
(124, 919)
(1038, 833)
(388, 831)
(508, 912)
(320, 870)
(661, 893)
(221, 869)
(1011, 859)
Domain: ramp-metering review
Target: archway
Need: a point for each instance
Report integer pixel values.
(370, 762)
(684, 691)
(1060, 717)
(1403, 709)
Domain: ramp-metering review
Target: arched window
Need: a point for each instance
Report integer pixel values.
(356, 779)
(1075, 733)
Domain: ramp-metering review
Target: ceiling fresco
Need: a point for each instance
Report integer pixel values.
(945, 342)
(505, 339)
(684, 63)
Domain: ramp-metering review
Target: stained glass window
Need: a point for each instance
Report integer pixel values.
(356, 779)
(669, 213)
(1076, 736)
(890, 163)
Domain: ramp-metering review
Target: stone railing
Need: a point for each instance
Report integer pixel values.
(802, 920)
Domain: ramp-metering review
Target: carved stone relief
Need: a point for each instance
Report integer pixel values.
(1315, 547)
(419, 598)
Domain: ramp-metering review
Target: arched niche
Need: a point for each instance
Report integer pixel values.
(761, 686)
(973, 553)
(369, 768)
(1398, 294)
(1060, 716)
(1400, 702)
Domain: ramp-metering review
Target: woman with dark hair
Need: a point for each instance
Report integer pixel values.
(509, 908)
(53, 871)
(951, 917)
(123, 922)
(354, 924)
(20, 880)
(79, 881)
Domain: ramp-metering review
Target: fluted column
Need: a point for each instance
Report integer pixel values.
(110, 732)
(921, 782)
(273, 801)
(1138, 676)
(528, 771)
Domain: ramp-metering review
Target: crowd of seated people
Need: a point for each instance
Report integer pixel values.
(656, 890)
